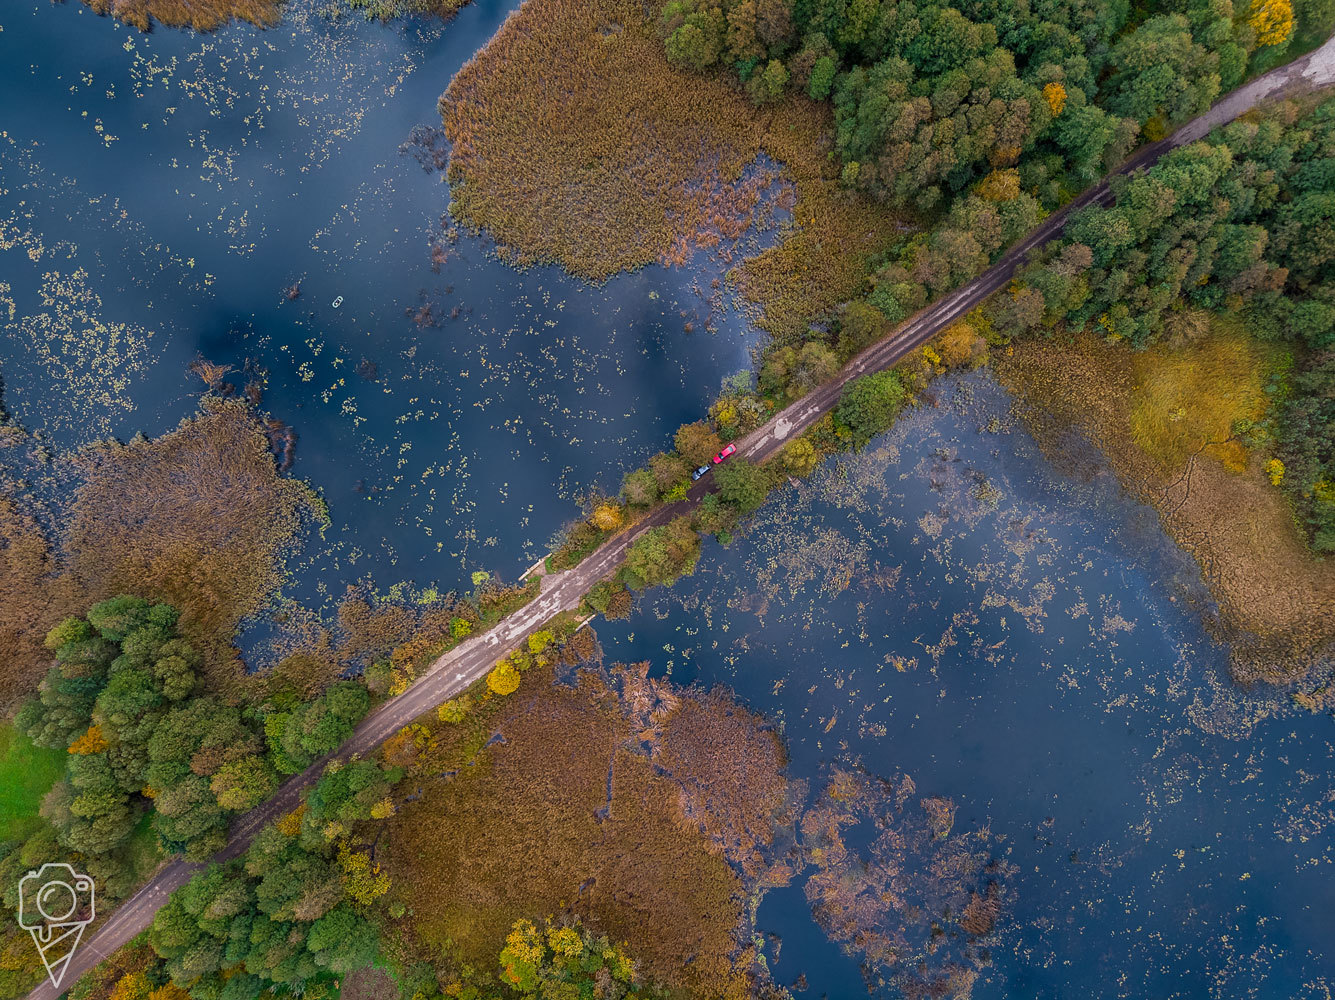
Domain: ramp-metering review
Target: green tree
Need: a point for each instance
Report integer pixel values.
(697, 442)
(742, 484)
(640, 488)
(663, 554)
(1161, 71)
(870, 404)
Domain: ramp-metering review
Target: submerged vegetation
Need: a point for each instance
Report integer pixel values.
(918, 904)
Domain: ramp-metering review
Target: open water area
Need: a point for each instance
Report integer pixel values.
(946, 607)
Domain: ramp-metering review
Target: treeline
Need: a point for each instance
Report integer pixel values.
(308, 902)
(1244, 223)
(295, 911)
(930, 98)
(124, 699)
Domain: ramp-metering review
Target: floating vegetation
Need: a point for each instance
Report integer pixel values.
(91, 363)
(917, 903)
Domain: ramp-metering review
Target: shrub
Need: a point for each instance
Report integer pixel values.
(454, 710)
(503, 679)
(742, 484)
(663, 554)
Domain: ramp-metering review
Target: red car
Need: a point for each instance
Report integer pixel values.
(730, 450)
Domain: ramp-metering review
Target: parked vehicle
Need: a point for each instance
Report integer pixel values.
(730, 450)
(699, 472)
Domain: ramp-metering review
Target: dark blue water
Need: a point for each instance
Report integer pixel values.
(948, 607)
(945, 606)
(163, 190)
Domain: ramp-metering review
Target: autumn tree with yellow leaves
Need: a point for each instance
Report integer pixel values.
(1272, 20)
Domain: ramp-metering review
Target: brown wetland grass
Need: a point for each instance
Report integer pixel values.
(575, 142)
(1164, 418)
(199, 518)
(201, 15)
(34, 597)
(547, 802)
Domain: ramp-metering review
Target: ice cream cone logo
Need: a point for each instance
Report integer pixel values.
(55, 905)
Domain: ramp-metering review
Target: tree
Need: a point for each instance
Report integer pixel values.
(663, 554)
(861, 325)
(800, 457)
(822, 78)
(870, 404)
(244, 784)
(742, 484)
(316, 728)
(503, 679)
(363, 880)
(960, 344)
(1162, 71)
(1272, 20)
(668, 470)
(793, 371)
(640, 488)
(342, 941)
(697, 442)
(346, 794)
(455, 710)
(606, 517)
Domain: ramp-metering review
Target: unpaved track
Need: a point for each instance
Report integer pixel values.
(466, 663)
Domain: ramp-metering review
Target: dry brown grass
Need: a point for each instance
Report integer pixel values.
(575, 142)
(202, 15)
(1275, 596)
(712, 747)
(199, 518)
(33, 598)
(528, 829)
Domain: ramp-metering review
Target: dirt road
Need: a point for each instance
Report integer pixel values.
(462, 666)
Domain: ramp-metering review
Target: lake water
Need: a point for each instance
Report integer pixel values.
(948, 607)
(944, 606)
(164, 190)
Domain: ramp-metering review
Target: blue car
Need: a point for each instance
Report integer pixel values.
(699, 472)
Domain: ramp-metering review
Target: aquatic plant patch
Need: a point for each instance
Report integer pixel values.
(576, 142)
(917, 901)
(545, 802)
(199, 518)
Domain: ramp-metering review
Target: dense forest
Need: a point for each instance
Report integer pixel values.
(1243, 222)
(930, 98)
(986, 116)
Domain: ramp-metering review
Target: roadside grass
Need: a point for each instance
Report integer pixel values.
(142, 850)
(1188, 399)
(27, 773)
